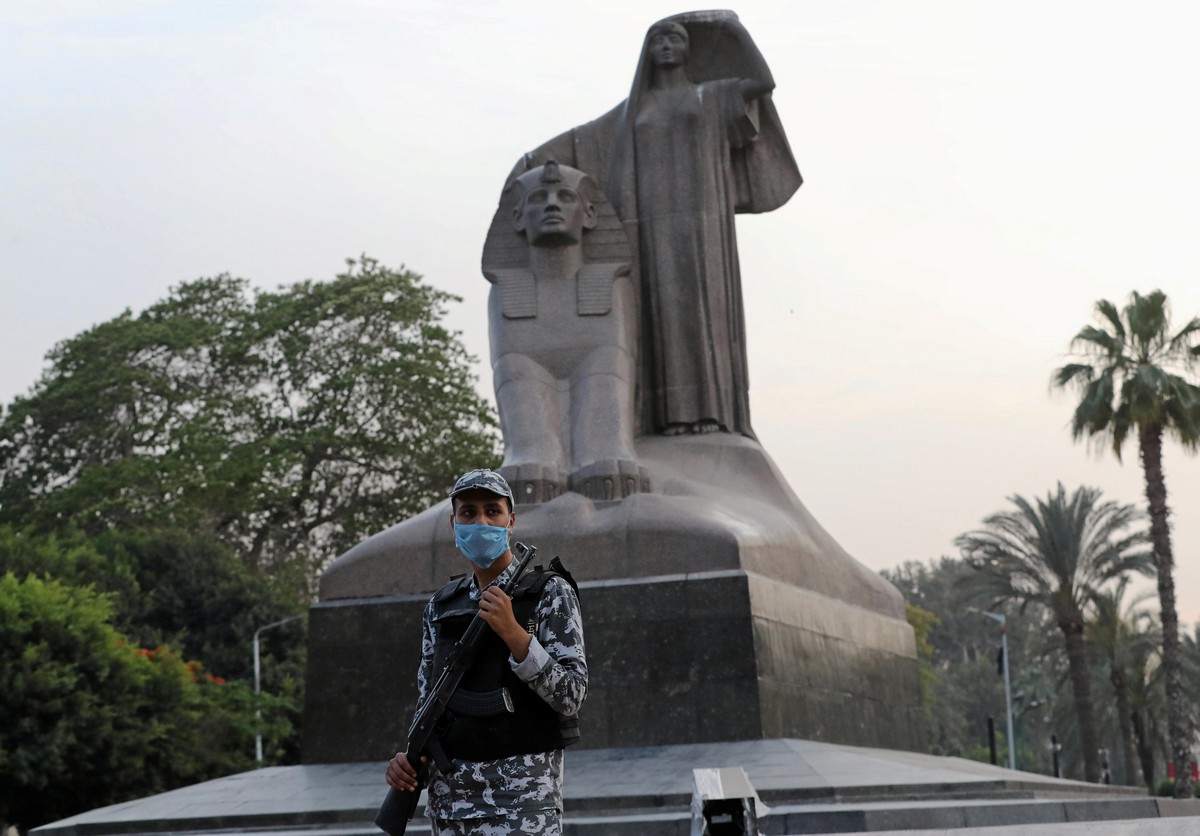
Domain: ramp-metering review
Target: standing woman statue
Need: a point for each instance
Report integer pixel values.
(698, 140)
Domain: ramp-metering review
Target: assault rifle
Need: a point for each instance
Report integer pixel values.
(423, 734)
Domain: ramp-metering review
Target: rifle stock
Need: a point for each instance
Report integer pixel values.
(399, 805)
(396, 811)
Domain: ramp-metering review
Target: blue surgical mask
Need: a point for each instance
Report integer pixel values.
(481, 544)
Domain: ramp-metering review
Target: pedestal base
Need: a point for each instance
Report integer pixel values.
(706, 657)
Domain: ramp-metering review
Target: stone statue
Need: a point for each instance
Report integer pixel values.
(618, 347)
(697, 141)
(562, 334)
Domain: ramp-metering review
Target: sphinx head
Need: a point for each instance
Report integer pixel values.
(554, 206)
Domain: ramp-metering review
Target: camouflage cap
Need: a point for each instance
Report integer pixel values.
(489, 480)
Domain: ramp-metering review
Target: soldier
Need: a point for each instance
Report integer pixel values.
(507, 763)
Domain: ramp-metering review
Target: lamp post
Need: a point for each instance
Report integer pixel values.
(1003, 621)
(258, 755)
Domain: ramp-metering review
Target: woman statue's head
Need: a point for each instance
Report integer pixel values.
(668, 44)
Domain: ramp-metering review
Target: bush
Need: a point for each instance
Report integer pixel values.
(1166, 788)
(77, 700)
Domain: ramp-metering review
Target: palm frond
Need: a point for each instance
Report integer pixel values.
(1095, 412)
(1092, 340)
(1180, 344)
(1108, 311)
(1136, 377)
(1181, 410)
(1147, 317)
(1119, 427)
(1077, 374)
(1056, 551)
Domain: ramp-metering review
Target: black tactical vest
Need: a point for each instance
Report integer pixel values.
(494, 714)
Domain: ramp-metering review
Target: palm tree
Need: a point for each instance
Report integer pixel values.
(1135, 378)
(1118, 634)
(1190, 663)
(1057, 555)
(1146, 701)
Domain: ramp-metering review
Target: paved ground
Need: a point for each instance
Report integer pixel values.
(1151, 827)
(644, 784)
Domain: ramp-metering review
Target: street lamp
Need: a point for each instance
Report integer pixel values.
(999, 617)
(258, 755)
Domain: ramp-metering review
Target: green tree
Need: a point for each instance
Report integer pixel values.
(88, 719)
(959, 635)
(184, 589)
(196, 595)
(923, 621)
(960, 682)
(1120, 634)
(289, 424)
(187, 471)
(1132, 375)
(72, 558)
(1190, 648)
(1058, 554)
(1148, 705)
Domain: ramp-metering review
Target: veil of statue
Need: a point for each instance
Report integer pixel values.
(618, 349)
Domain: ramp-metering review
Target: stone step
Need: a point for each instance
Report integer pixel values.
(897, 816)
(808, 786)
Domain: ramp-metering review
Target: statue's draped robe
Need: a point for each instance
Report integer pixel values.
(689, 265)
(677, 174)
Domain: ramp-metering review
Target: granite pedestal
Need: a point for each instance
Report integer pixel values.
(673, 659)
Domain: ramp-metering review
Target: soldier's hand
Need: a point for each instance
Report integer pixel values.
(401, 775)
(495, 608)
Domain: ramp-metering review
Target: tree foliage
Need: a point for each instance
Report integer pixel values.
(961, 683)
(967, 686)
(1134, 374)
(183, 589)
(1121, 636)
(290, 424)
(87, 718)
(173, 482)
(1059, 553)
(923, 621)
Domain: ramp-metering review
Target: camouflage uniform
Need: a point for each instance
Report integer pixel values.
(541, 822)
(523, 793)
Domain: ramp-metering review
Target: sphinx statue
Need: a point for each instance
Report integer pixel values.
(562, 330)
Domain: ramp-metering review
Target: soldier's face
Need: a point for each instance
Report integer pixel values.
(554, 213)
(478, 506)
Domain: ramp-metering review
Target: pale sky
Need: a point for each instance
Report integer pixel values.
(977, 175)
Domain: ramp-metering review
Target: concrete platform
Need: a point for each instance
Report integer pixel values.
(808, 787)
